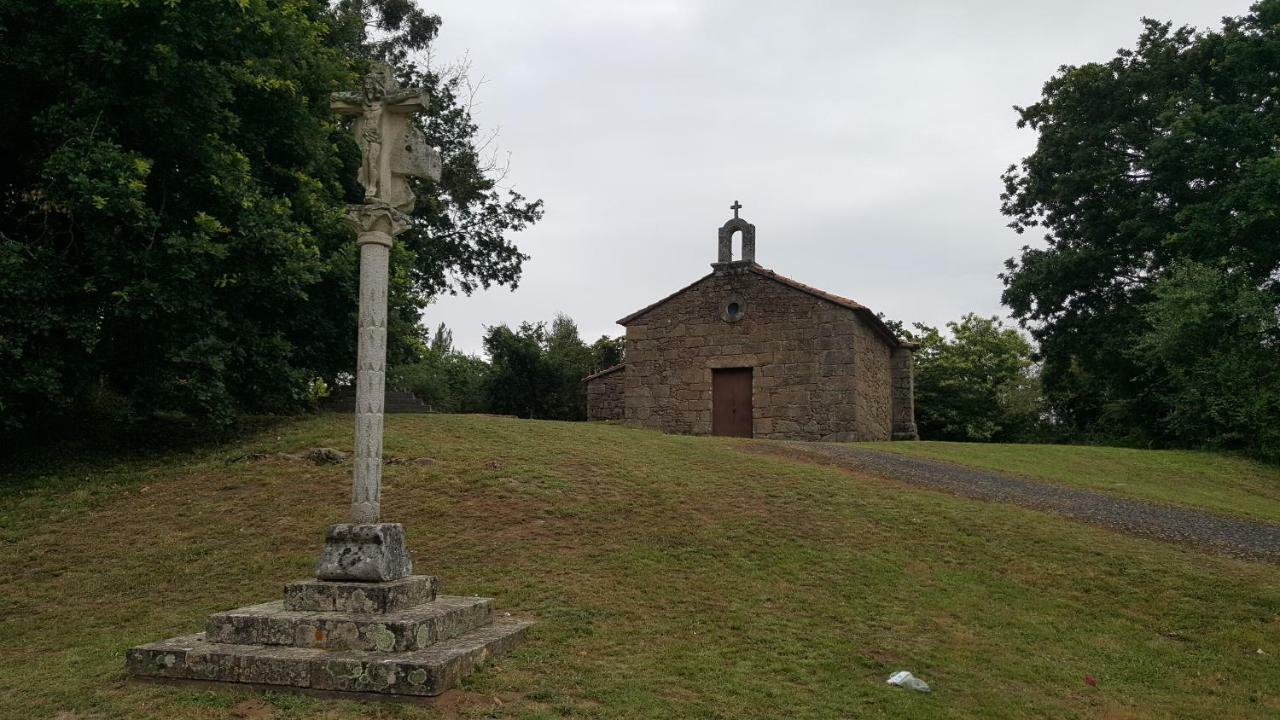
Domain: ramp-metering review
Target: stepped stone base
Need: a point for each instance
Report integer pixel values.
(425, 672)
(392, 640)
(414, 629)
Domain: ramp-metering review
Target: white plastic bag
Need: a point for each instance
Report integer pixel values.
(902, 678)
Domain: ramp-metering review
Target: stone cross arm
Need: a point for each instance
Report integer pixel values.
(402, 101)
(346, 103)
(409, 100)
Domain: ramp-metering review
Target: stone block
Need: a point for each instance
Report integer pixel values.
(372, 552)
(273, 666)
(186, 657)
(359, 597)
(798, 397)
(414, 629)
(416, 673)
(426, 672)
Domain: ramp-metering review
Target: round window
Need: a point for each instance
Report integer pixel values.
(734, 310)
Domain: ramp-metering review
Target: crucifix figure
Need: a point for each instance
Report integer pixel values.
(735, 207)
(391, 148)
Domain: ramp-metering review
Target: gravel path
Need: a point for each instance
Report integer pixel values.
(1253, 540)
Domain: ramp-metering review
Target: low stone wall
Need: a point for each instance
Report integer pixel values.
(605, 400)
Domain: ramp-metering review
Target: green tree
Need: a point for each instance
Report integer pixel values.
(169, 200)
(979, 384)
(1210, 358)
(570, 361)
(466, 377)
(520, 381)
(607, 352)
(442, 340)
(171, 191)
(1162, 156)
(536, 372)
(444, 378)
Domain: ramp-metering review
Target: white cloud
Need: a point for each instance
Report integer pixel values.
(865, 141)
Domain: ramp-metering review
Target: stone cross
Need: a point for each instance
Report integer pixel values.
(735, 207)
(365, 602)
(392, 150)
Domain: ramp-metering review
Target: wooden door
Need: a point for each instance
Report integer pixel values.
(731, 402)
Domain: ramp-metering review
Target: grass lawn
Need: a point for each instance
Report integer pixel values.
(673, 577)
(1210, 481)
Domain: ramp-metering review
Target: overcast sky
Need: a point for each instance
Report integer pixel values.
(864, 140)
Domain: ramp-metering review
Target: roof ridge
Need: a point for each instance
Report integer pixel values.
(606, 371)
(823, 294)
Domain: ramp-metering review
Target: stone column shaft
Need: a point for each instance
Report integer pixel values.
(903, 403)
(371, 372)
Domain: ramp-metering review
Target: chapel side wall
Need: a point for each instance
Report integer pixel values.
(873, 369)
(605, 396)
(800, 347)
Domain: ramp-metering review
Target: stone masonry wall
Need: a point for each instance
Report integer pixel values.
(806, 354)
(604, 395)
(873, 390)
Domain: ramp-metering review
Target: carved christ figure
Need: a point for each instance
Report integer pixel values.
(391, 148)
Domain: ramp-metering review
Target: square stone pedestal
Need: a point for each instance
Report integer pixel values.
(364, 552)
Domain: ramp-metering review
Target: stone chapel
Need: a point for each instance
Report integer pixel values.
(747, 352)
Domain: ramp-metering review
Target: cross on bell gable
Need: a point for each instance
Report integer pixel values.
(734, 225)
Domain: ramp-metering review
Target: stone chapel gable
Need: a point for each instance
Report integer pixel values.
(748, 352)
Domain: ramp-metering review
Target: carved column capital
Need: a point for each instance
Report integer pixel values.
(376, 219)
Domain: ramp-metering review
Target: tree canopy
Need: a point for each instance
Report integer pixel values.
(537, 372)
(1156, 184)
(978, 382)
(533, 371)
(171, 192)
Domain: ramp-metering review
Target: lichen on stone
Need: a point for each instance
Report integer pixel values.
(383, 639)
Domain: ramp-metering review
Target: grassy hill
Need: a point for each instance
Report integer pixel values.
(673, 577)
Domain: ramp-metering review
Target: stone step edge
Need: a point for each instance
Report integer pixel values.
(419, 673)
(415, 628)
